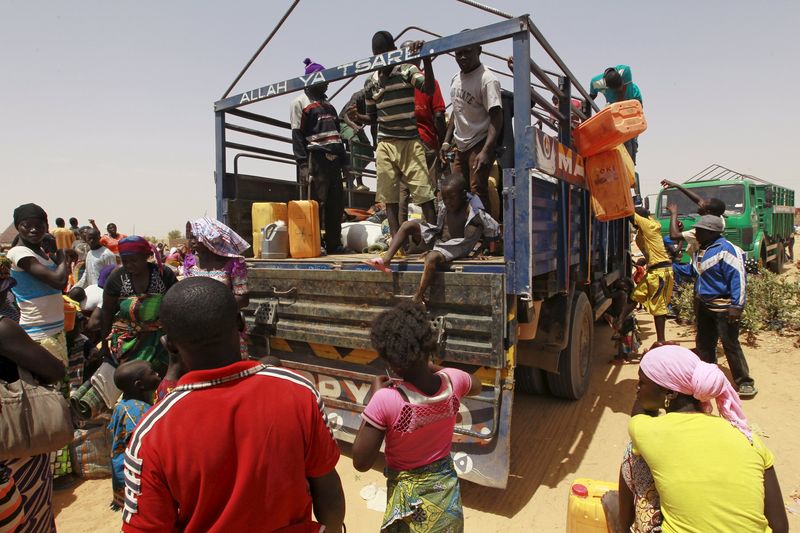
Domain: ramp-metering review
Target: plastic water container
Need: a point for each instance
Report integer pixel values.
(609, 175)
(613, 125)
(275, 241)
(69, 316)
(264, 214)
(304, 237)
(584, 510)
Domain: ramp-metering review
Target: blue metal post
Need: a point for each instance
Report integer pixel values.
(520, 265)
(219, 169)
(564, 215)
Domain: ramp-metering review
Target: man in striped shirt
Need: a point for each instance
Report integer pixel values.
(400, 155)
(236, 445)
(320, 155)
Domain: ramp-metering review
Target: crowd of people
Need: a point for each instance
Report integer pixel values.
(205, 438)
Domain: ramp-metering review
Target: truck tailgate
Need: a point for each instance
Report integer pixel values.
(316, 318)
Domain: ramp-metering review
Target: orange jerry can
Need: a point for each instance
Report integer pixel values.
(304, 237)
(609, 175)
(617, 123)
(264, 214)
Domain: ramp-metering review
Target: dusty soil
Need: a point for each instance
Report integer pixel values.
(553, 442)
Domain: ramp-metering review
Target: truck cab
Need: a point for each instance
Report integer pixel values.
(758, 214)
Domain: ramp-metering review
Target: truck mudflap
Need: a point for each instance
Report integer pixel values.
(317, 323)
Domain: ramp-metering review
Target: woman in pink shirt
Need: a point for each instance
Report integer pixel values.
(416, 414)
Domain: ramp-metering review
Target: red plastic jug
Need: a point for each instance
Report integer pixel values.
(617, 123)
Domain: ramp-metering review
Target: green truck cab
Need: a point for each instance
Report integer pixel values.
(759, 215)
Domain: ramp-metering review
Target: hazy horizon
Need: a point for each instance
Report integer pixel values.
(109, 106)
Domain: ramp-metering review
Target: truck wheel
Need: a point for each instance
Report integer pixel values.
(530, 380)
(575, 362)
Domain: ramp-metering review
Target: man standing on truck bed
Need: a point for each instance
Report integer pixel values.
(655, 290)
(476, 122)
(616, 84)
(400, 156)
(718, 268)
(431, 126)
(320, 155)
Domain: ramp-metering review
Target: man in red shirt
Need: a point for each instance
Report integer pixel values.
(111, 239)
(237, 445)
(431, 125)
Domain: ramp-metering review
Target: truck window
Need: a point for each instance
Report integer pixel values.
(733, 196)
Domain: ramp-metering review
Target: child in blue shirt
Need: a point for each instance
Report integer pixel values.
(138, 381)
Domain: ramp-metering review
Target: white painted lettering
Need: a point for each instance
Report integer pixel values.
(396, 56)
(306, 79)
(362, 65)
(564, 161)
(359, 391)
(271, 90)
(380, 61)
(344, 68)
(282, 86)
(319, 77)
(244, 99)
(329, 387)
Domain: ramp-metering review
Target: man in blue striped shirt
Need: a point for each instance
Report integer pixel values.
(720, 283)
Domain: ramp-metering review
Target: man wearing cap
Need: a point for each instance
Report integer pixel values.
(720, 283)
(320, 155)
(616, 84)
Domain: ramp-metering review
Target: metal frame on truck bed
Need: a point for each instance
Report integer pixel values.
(524, 320)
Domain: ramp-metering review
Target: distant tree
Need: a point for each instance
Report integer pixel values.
(152, 238)
(174, 234)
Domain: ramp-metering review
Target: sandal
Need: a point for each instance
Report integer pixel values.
(378, 264)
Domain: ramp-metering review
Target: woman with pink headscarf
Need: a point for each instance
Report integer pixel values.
(711, 472)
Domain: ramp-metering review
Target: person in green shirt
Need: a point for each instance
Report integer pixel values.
(616, 85)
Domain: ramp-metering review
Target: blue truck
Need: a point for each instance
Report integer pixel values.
(522, 322)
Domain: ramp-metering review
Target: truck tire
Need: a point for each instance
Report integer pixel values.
(530, 380)
(575, 362)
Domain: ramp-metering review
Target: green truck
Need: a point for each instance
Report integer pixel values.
(759, 215)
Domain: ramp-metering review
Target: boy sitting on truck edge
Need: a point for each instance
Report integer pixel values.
(399, 156)
(712, 206)
(461, 224)
(320, 155)
(416, 416)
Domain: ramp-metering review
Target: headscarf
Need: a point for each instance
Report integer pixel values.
(312, 67)
(139, 245)
(218, 237)
(29, 211)
(680, 370)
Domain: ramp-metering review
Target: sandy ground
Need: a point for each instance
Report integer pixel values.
(553, 442)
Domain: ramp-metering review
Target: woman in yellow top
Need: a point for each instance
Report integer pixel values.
(711, 472)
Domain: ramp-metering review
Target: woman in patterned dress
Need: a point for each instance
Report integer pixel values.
(131, 302)
(217, 253)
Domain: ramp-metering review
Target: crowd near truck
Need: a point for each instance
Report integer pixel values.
(521, 321)
(759, 215)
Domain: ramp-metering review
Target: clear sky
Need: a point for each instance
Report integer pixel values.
(107, 106)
